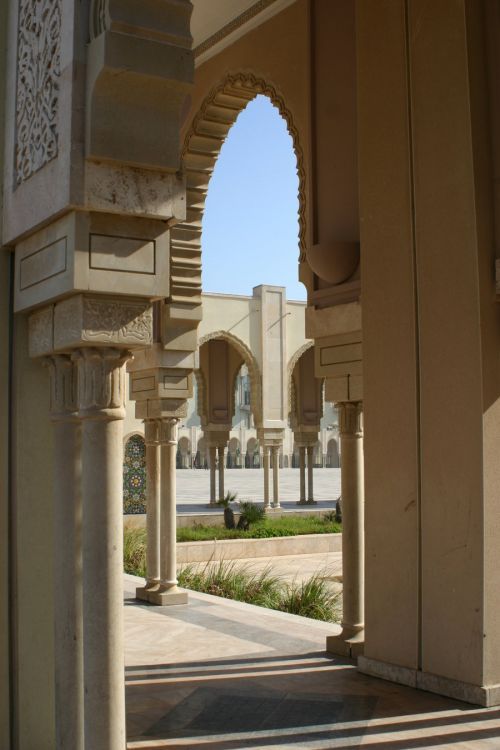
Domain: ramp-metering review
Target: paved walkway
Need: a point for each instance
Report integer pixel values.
(221, 675)
(193, 487)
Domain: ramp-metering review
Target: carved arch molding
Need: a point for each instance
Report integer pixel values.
(202, 146)
(253, 372)
(292, 396)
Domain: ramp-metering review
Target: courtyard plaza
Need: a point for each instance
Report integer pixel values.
(193, 488)
(223, 675)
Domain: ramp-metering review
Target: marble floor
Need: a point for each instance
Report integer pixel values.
(221, 675)
(193, 487)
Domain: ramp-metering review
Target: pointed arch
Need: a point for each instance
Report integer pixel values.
(202, 145)
(251, 363)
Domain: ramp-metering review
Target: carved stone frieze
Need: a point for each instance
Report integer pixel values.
(63, 386)
(350, 418)
(100, 320)
(38, 77)
(101, 382)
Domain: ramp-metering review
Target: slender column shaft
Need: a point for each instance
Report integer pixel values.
(220, 449)
(310, 470)
(168, 525)
(276, 479)
(302, 469)
(101, 398)
(265, 451)
(68, 624)
(212, 453)
(351, 640)
(153, 488)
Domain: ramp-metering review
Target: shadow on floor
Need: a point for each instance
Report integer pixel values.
(304, 701)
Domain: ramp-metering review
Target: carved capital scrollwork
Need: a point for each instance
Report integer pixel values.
(101, 382)
(63, 387)
(168, 431)
(350, 418)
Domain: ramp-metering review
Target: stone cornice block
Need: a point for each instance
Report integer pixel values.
(160, 383)
(100, 321)
(92, 252)
(162, 408)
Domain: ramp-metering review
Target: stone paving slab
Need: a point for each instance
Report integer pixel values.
(193, 486)
(222, 675)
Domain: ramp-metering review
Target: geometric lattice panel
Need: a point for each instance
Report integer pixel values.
(134, 476)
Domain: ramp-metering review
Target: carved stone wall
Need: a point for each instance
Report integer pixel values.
(37, 90)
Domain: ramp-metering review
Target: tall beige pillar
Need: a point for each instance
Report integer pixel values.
(310, 470)
(168, 592)
(68, 624)
(212, 455)
(220, 450)
(276, 476)
(265, 453)
(351, 641)
(153, 490)
(302, 469)
(101, 392)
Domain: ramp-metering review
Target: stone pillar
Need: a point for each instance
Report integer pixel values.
(276, 475)
(101, 390)
(220, 450)
(212, 454)
(168, 592)
(351, 641)
(310, 470)
(68, 624)
(265, 453)
(302, 469)
(153, 490)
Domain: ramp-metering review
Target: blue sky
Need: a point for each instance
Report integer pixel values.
(250, 225)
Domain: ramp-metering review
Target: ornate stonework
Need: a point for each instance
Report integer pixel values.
(41, 332)
(350, 418)
(38, 74)
(98, 22)
(101, 382)
(169, 431)
(94, 320)
(63, 386)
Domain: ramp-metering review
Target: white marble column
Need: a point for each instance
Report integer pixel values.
(68, 623)
(276, 476)
(265, 454)
(153, 490)
(302, 470)
(351, 641)
(310, 470)
(168, 592)
(101, 389)
(220, 450)
(212, 459)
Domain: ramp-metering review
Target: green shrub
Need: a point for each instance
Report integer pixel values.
(252, 513)
(134, 551)
(312, 599)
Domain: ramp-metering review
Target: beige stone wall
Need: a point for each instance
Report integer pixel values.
(33, 543)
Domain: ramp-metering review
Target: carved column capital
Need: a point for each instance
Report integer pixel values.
(350, 418)
(152, 432)
(63, 387)
(101, 382)
(168, 431)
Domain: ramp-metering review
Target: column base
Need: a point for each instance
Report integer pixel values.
(212, 505)
(301, 502)
(479, 695)
(142, 592)
(312, 502)
(346, 645)
(167, 598)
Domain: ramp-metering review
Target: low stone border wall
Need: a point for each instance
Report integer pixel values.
(237, 549)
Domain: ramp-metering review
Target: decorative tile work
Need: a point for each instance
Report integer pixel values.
(38, 74)
(134, 476)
